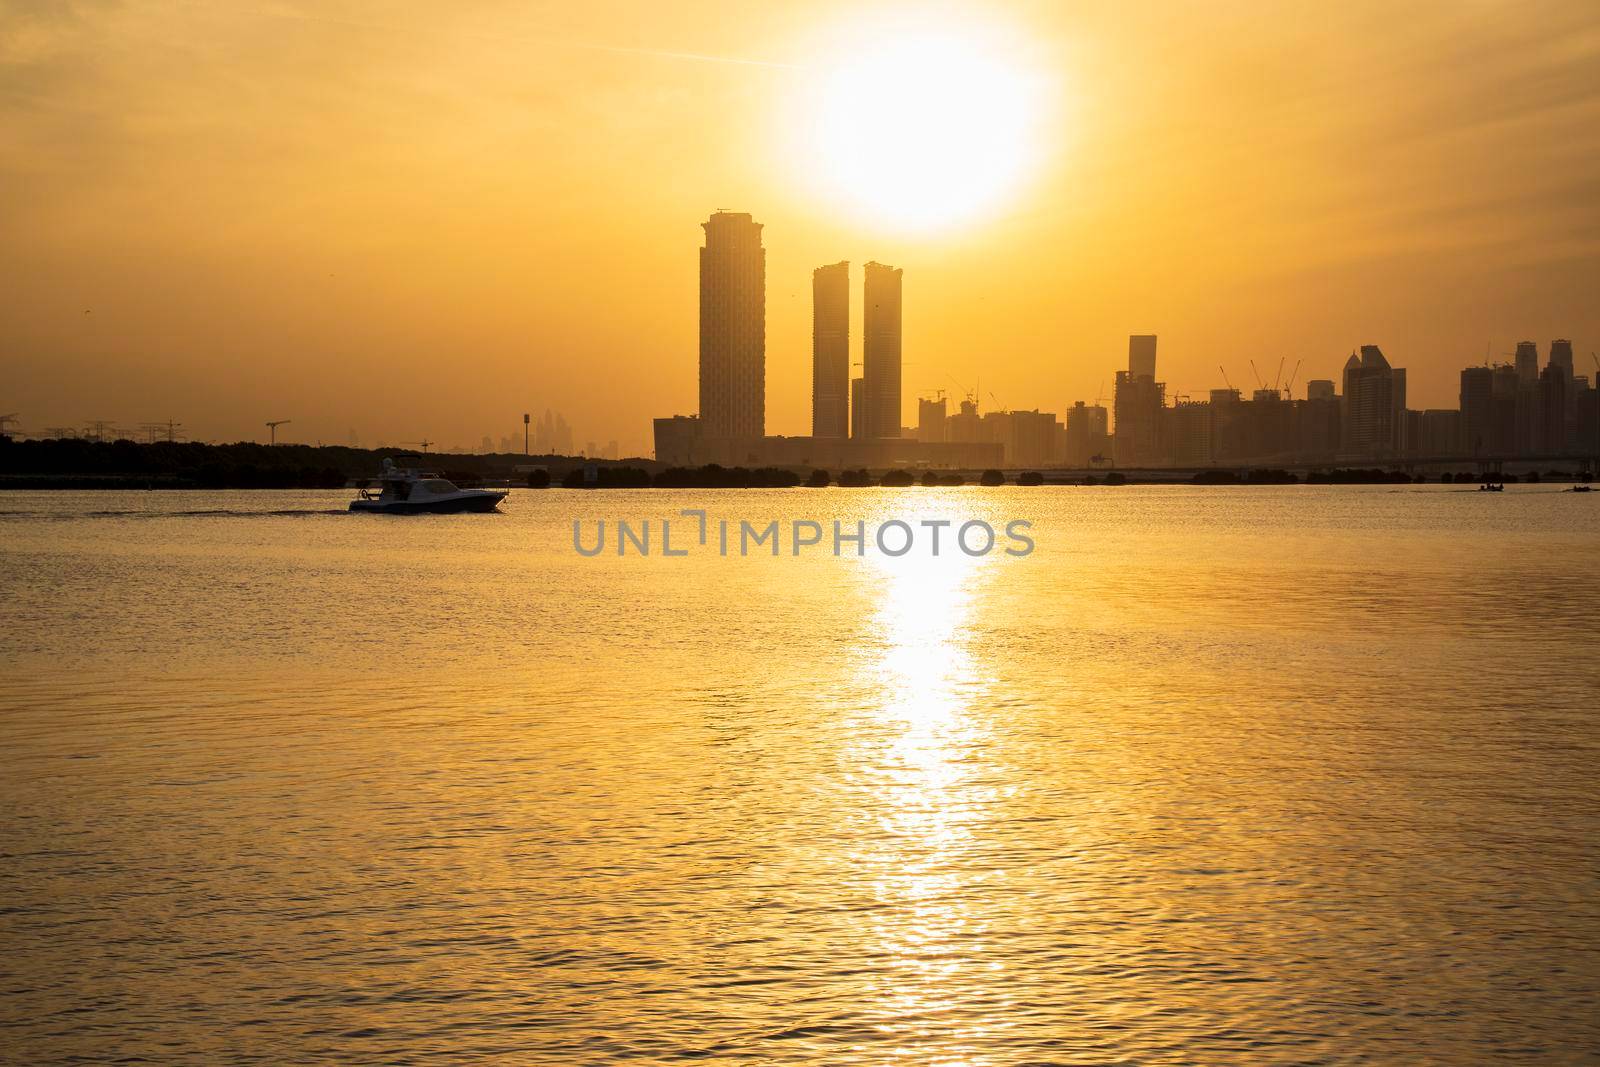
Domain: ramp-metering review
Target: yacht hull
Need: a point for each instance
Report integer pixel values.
(444, 506)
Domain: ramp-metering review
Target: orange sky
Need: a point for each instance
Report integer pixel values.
(409, 219)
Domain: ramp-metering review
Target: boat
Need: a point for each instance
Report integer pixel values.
(405, 489)
(1491, 487)
(1581, 489)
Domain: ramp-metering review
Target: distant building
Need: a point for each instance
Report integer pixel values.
(965, 426)
(1142, 355)
(1088, 437)
(1316, 426)
(733, 324)
(1527, 363)
(1477, 398)
(931, 417)
(1190, 433)
(1373, 395)
(1526, 431)
(1029, 438)
(1438, 433)
(1136, 405)
(1553, 389)
(1505, 396)
(858, 409)
(830, 351)
(1561, 355)
(1321, 389)
(678, 441)
(1583, 418)
(881, 349)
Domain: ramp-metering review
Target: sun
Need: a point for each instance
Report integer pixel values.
(924, 129)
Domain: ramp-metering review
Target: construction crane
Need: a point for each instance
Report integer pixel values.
(1276, 378)
(1225, 381)
(423, 444)
(1288, 390)
(1259, 383)
(273, 426)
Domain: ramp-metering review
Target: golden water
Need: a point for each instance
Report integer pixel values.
(1214, 776)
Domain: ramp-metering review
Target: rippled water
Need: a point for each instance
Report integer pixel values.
(1215, 776)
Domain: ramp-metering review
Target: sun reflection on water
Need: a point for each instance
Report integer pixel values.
(923, 749)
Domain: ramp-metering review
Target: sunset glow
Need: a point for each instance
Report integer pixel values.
(926, 130)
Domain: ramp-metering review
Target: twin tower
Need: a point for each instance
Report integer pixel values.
(733, 271)
(869, 406)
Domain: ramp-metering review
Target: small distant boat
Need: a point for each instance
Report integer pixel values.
(412, 490)
(1492, 487)
(1581, 489)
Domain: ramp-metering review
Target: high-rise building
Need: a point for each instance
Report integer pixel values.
(1504, 392)
(1316, 425)
(1477, 410)
(1554, 384)
(1142, 355)
(1088, 439)
(733, 328)
(1320, 389)
(965, 426)
(931, 419)
(881, 349)
(1583, 418)
(1027, 438)
(1527, 363)
(1136, 405)
(830, 351)
(1374, 394)
(1439, 433)
(858, 408)
(1189, 430)
(1561, 355)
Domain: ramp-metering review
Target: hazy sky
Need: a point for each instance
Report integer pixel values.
(410, 219)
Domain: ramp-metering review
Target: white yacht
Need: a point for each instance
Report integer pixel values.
(407, 490)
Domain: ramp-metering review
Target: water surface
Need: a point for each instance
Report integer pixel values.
(1289, 775)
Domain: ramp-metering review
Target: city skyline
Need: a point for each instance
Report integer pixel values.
(424, 219)
(1508, 411)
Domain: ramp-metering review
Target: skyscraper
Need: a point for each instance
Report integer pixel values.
(1142, 355)
(1528, 362)
(1137, 401)
(733, 328)
(931, 416)
(881, 350)
(1368, 423)
(830, 351)
(1561, 355)
(1553, 388)
(1477, 410)
(858, 409)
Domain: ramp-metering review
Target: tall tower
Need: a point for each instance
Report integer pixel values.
(1527, 363)
(1137, 404)
(830, 351)
(1561, 355)
(881, 350)
(733, 328)
(1142, 355)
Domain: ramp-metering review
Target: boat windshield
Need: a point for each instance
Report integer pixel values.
(439, 485)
